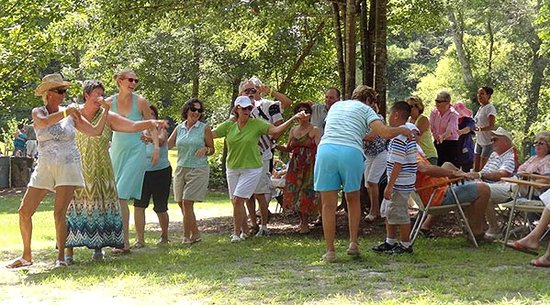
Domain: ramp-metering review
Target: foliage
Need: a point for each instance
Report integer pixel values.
(217, 172)
(6, 136)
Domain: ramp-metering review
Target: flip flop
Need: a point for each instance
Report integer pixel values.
(19, 263)
(538, 263)
(516, 245)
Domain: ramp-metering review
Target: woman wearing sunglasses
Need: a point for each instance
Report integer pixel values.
(127, 150)
(194, 141)
(94, 219)
(298, 192)
(244, 163)
(59, 166)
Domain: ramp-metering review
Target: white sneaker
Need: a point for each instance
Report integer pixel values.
(262, 232)
(244, 236)
(235, 238)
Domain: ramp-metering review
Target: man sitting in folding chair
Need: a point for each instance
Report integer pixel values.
(477, 193)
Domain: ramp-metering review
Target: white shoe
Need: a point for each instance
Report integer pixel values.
(235, 238)
(244, 236)
(262, 232)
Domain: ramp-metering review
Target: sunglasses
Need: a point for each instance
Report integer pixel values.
(250, 90)
(132, 80)
(249, 108)
(59, 90)
(539, 143)
(199, 110)
(440, 101)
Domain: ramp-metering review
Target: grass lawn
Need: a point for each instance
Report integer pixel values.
(281, 269)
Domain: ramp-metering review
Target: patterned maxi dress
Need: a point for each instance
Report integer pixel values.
(94, 219)
(298, 192)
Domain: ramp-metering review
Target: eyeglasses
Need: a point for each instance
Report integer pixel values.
(250, 90)
(440, 101)
(539, 143)
(249, 108)
(59, 90)
(199, 110)
(132, 80)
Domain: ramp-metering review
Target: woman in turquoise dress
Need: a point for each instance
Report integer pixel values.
(127, 150)
(94, 218)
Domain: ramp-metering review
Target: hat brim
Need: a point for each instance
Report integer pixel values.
(43, 87)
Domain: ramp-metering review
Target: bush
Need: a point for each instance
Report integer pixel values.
(217, 171)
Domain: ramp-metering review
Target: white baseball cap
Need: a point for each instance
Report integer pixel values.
(243, 101)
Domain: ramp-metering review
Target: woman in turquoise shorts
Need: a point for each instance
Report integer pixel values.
(127, 150)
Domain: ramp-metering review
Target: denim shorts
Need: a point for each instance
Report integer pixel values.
(336, 166)
(466, 192)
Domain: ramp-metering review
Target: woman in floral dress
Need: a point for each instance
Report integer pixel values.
(298, 192)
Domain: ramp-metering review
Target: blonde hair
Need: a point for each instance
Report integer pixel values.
(417, 102)
(121, 73)
(544, 136)
(44, 96)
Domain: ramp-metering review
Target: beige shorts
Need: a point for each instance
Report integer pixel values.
(49, 176)
(191, 183)
(264, 183)
(396, 210)
(500, 192)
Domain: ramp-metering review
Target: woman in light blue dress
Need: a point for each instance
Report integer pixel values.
(127, 149)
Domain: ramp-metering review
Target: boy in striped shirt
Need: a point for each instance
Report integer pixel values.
(401, 170)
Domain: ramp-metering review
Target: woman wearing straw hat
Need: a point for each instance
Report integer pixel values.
(58, 168)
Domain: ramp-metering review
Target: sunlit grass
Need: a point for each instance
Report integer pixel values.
(281, 269)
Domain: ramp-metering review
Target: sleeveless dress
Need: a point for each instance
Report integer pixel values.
(128, 156)
(298, 192)
(94, 219)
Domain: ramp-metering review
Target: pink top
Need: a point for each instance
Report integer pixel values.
(448, 121)
(536, 165)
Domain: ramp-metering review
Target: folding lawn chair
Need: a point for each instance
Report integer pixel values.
(426, 208)
(526, 205)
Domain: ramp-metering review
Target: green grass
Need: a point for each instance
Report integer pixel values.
(281, 269)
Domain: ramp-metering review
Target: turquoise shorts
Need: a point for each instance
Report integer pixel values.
(337, 166)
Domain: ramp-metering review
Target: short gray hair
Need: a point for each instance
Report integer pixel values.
(444, 95)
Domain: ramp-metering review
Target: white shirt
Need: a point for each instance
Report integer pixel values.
(482, 120)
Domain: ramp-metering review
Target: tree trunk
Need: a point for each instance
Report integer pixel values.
(491, 50)
(337, 25)
(351, 11)
(305, 52)
(381, 54)
(458, 38)
(364, 30)
(195, 65)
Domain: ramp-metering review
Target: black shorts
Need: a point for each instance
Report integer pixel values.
(156, 184)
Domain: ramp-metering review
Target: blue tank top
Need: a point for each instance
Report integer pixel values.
(188, 142)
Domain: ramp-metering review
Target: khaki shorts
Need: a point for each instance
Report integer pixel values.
(49, 176)
(396, 210)
(191, 183)
(264, 183)
(500, 192)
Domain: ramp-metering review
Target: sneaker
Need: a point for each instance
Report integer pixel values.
(69, 260)
(98, 255)
(262, 232)
(400, 249)
(235, 238)
(383, 247)
(243, 236)
(60, 264)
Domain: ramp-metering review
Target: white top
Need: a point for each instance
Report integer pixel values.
(347, 123)
(270, 111)
(56, 143)
(482, 120)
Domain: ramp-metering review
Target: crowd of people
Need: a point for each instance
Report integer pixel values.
(98, 156)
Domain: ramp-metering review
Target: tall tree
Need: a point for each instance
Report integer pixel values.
(351, 13)
(380, 84)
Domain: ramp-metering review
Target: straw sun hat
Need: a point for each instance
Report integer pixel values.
(51, 81)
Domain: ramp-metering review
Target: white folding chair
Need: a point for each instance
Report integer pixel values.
(426, 208)
(521, 204)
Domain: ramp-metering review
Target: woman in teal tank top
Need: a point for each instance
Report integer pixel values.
(195, 142)
(127, 150)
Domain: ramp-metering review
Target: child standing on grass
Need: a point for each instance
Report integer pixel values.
(401, 171)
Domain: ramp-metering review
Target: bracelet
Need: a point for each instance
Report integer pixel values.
(65, 113)
(480, 175)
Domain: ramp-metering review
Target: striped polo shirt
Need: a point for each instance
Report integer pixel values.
(402, 151)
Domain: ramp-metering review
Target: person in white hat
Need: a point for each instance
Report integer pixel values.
(244, 163)
(59, 167)
(502, 163)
